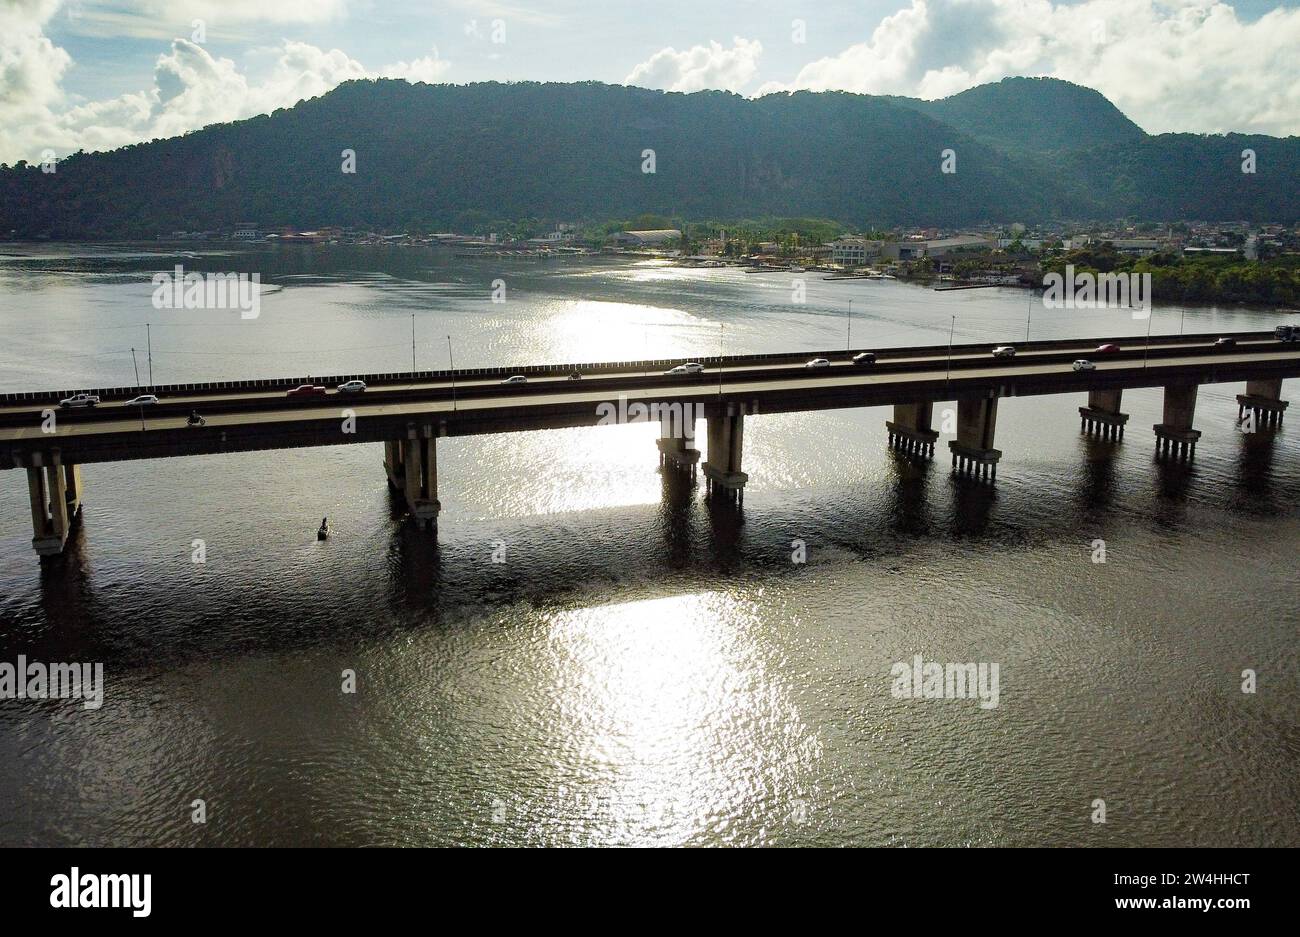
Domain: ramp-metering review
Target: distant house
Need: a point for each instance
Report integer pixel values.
(853, 252)
(659, 238)
(1136, 245)
(942, 246)
(1211, 251)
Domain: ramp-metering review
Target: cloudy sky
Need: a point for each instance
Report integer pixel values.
(96, 74)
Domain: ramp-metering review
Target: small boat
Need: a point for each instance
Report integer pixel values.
(324, 532)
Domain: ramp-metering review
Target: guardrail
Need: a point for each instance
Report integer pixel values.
(406, 377)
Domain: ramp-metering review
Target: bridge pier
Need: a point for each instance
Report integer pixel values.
(1264, 400)
(675, 445)
(394, 467)
(1175, 436)
(910, 431)
(411, 465)
(1102, 417)
(972, 451)
(54, 490)
(722, 474)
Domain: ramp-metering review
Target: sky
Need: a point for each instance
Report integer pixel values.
(99, 74)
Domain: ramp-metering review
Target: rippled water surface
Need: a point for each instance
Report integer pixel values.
(645, 667)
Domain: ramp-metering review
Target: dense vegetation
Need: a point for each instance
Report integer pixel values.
(1195, 279)
(458, 157)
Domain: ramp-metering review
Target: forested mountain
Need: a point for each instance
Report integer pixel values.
(444, 156)
(1035, 114)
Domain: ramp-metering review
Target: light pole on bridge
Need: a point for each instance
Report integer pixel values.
(452, 359)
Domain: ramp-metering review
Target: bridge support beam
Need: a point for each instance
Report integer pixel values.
(676, 445)
(1175, 436)
(722, 472)
(411, 465)
(972, 450)
(420, 451)
(1102, 417)
(394, 466)
(54, 490)
(910, 431)
(1264, 400)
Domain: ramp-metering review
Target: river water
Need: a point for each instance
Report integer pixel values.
(644, 667)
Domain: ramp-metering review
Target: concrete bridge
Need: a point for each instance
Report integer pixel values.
(408, 412)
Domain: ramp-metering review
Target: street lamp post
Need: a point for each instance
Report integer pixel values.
(1146, 349)
(452, 360)
(952, 328)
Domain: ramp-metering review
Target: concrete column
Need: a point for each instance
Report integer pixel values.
(1175, 436)
(72, 479)
(421, 476)
(972, 451)
(1264, 400)
(48, 489)
(40, 502)
(394, 466)
(722, 472)
(676, 441)
(1102, 416)
(910, 430)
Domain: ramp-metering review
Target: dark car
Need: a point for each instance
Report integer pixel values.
(1107, 349)
(307, 390)
(864, 358)
(1225, 343)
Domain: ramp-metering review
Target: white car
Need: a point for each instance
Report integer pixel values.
(690, 367)
(352, 387)
(515, 379)
(818, 363)
(1083, 364)
(1004, 351)
(80, 400)
(144, 400)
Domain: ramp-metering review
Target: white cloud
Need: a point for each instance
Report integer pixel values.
(167, 18)
(700, 67)
(429, 69)
(1172, 65)
(31, 68)
(191, 89)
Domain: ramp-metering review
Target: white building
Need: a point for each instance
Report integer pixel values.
(853, 252)
(665, 237)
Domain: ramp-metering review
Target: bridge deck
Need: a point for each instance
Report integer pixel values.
(267, 420)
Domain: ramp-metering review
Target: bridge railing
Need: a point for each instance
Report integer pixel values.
(589, 367)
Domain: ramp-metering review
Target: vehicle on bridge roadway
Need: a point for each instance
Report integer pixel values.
(1004, 351)
(307, 390)
(818, 363)
(1225, 343)
(1287, 333)
(352, 387)
(864, 358)
(144, 400)
(690, 367)
(80, 400)
(1083, 364)
(575, 376)
(515, 379)
(1107, 349)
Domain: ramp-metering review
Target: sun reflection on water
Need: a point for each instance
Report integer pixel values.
(676, 714)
